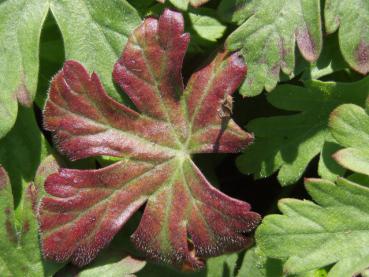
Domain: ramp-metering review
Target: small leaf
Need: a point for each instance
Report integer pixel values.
(351, 17)
(20, 28)
(288, 143)
(267, 39)
(20, 254)
(349, 125)
(335, 231)
(113, 264)
(185, 218)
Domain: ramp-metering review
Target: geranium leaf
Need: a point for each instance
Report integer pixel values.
(349, 125)
(335, 231)
(20, 28)
(351, 17)
(268, 36)
(185, 218)
(20, 254)
(106, 27)
(288, 143)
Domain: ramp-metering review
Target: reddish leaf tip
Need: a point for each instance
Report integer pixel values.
(4, 179)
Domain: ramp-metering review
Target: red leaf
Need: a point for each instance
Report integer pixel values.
(185, 219)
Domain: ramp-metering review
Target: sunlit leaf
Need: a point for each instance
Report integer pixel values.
(351, 17)
(335, 231)
(288, 143)
(268, 36)
(20, 28)
(185, 219)
(349, 125)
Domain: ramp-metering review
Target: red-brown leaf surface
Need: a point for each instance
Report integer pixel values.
(185, 218)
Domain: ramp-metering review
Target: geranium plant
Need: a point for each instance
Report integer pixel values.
(191, 137)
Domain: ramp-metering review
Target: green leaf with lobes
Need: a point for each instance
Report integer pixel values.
(20, 254)
(268, 35)
(335, 231)
(288, 143)
(185, 218)
(106, 25)
(349, 125)
(19, 42)
(351, 17)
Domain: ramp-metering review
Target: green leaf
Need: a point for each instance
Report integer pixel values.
(95, 32)
(20, 254)
(20, 28)
(349, 125)
(22, 150)
(222, 266)
(257, 264)
(267, 39)
(237, 11)
(328, 167)
(288, 143)
(310, 236)
(205, 24)
(351, 17)
(111, 264)
(330, 60)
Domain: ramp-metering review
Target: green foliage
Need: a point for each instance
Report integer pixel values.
(20, 28)
(289, 142)
(333, 231)
(351, 17)
(20, 255)
(311, 56)
(349, 125)
(94, 33)
(267, 38)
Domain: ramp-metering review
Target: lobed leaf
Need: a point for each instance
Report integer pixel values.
(94, 33)
(351, 17)
(185, 219)
(334, 231)
(349, 125)
(20, 28)
(268, 35)
(288, 143)
(20, 255)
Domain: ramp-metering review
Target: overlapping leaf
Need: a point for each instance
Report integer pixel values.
(288, 143)
(268, 36)
(94, 33)
(351, 17)
(20, 254)
(22, 150)
(20, 28)
(349, 125)
(185, 218)
(335, 231)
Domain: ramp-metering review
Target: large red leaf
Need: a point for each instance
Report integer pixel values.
(185, 219)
